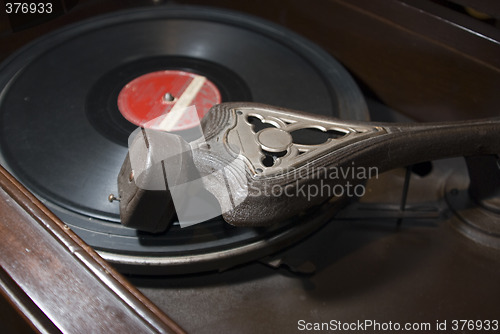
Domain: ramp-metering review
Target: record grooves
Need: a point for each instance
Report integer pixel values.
(62, 135)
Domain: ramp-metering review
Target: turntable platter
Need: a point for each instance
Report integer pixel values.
(63, 136)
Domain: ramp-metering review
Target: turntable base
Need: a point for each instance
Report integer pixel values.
(359, 266)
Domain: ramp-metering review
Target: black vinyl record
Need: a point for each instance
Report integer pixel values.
(63, 136)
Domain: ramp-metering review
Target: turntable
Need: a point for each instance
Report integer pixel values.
(421, 246)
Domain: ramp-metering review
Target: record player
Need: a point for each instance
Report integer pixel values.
(420, 248)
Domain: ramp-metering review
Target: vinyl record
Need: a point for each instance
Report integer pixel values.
(66, 114)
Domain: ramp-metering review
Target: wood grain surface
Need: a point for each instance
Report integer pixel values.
(57, 282)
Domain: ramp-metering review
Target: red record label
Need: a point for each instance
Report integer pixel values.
(160, 93)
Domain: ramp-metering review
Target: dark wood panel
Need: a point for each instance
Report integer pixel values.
(450, 74)
(57, 281)
(489, 7)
